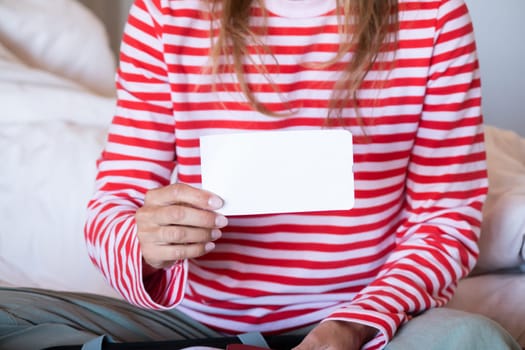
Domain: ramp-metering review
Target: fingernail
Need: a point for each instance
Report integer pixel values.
(221, 221)
(215, 234)
(215, 202)
(209, 246)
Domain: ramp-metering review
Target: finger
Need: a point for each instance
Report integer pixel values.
(180, 215)
(181, 235)
(167, 254)
(184, 194)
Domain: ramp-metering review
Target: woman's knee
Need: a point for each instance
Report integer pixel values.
(449, 329)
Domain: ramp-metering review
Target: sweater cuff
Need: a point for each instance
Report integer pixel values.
(386, 323)
(166, 287)
(161, 290)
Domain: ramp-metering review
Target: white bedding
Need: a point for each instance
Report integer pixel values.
(31, 95)
(60, 37)
(52, 127)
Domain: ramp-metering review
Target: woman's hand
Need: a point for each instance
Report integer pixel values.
(177, 222)
(337, 335)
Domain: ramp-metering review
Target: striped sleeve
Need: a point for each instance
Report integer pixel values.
(139, 155)
(436, 244)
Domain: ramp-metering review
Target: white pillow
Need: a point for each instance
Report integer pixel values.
(502, 242)
(28, 94)
(62, 37)
(48, 172)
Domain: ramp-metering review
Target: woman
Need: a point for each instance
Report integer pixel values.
(401, 76)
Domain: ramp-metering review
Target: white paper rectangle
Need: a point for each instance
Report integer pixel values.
(279, 171)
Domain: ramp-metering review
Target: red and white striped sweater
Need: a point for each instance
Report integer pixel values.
(419, 168)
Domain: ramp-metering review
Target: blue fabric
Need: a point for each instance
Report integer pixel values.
(34, 319)
(253, 338)
(95, 344)
(448, 329)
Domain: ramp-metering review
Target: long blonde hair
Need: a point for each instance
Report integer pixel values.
(365, 27)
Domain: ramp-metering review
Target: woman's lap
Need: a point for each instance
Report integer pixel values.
(29, 317)
(35, 319)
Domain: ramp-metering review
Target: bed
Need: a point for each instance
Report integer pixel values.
(57, 98)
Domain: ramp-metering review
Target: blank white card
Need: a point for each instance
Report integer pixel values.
(279, 171)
